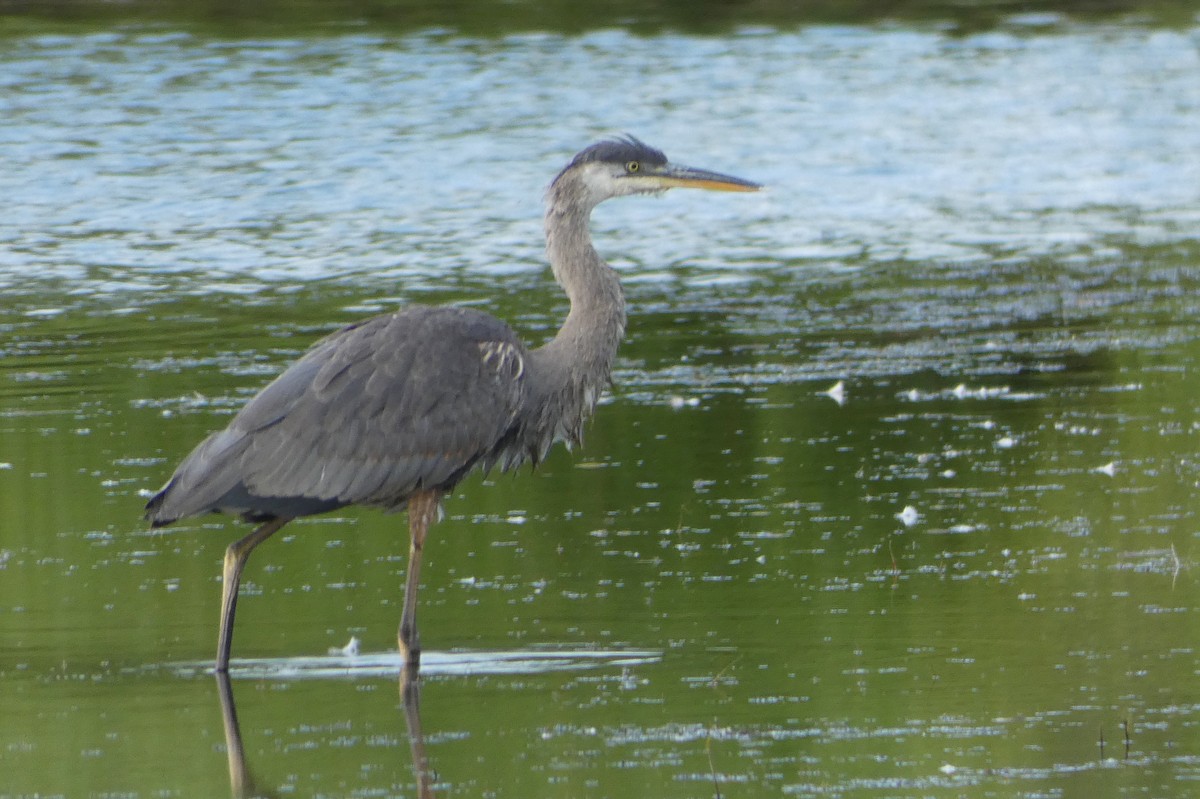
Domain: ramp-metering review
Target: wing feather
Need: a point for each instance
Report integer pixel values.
(397, 403)
(408, 400)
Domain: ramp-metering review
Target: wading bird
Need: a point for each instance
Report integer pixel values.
(394, 411)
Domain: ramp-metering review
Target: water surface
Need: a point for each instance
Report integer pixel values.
(974, 575)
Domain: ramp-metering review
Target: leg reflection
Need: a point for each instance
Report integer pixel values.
(242, 784)
(410, 696)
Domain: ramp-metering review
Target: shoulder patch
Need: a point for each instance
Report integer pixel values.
(504, 358)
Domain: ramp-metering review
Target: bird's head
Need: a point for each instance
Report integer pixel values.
(618, 167)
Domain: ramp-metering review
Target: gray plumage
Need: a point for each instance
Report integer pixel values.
(370, 414)
(401, 407)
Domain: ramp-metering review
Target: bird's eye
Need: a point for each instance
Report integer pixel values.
(632, 166)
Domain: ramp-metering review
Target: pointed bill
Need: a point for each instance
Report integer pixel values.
(684, 177)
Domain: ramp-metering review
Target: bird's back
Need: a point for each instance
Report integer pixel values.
(405, 401)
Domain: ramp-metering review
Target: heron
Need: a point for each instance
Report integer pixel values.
(394, 411)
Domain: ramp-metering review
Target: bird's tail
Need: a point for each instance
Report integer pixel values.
(154, 507)
(202, 480)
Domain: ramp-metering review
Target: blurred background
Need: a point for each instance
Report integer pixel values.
(893, 494)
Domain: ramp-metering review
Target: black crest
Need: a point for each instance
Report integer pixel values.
(619, 151)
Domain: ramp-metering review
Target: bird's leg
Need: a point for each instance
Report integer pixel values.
(235, 561)
(422, 511)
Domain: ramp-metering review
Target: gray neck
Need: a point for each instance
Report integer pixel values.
(575, 366)
(596, 321)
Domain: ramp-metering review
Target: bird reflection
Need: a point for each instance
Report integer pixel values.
(244, 785)
(410, 698)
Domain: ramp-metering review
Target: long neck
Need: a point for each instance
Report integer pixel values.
(575, 366)
(587, 341)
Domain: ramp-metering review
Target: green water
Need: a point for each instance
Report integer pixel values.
(976, 576)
